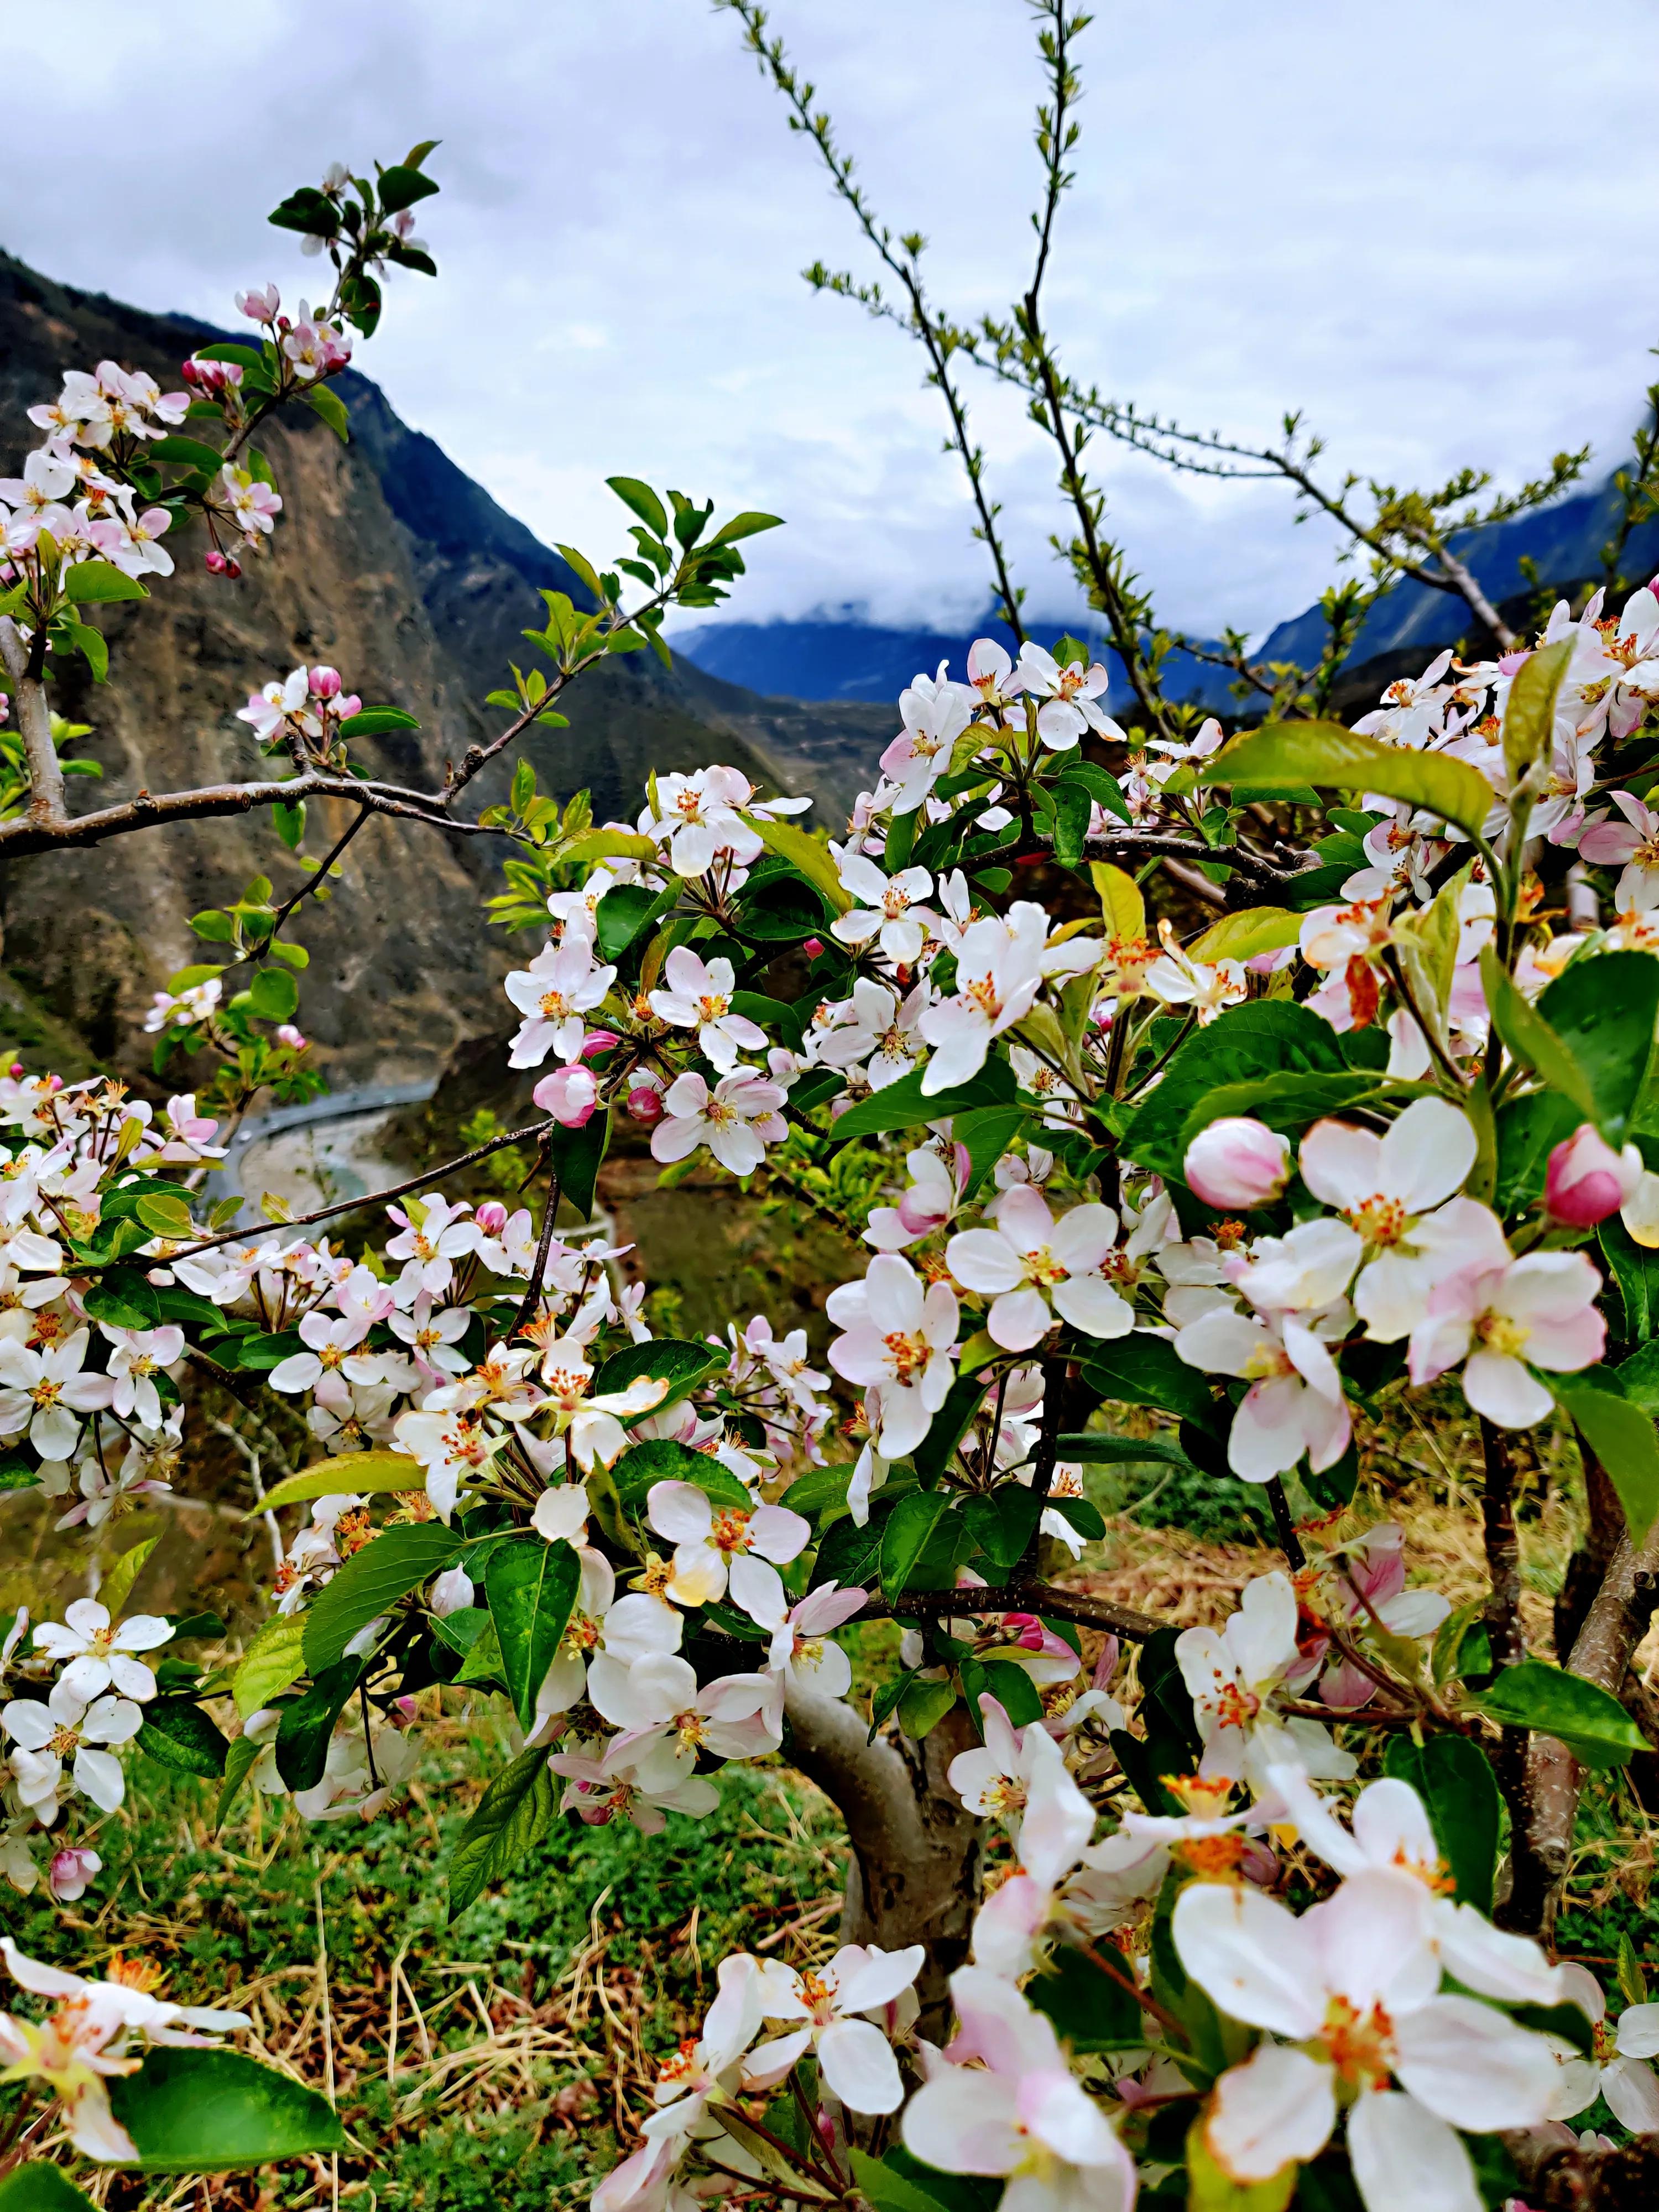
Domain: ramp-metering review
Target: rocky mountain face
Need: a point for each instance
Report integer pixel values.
(392, 565)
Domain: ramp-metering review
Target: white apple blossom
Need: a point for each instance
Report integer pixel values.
(737, 1120)
(1018, 2112)
(560, 986)
(67, 1727)
(99, 1654)
(834, 2001)
(1028, 1262)
(717, 1546)
(1353, 1987)
(899, 1337)
(1502, 1323)
(699, 996)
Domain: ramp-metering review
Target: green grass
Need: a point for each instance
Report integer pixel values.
(592, 1961)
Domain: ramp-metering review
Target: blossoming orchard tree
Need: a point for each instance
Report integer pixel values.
(1236, 1917)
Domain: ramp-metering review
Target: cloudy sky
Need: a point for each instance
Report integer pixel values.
(1429, 225)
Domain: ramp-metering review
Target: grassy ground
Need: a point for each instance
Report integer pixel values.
(487, 2065)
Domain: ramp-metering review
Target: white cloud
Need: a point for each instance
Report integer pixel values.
(1420, 223)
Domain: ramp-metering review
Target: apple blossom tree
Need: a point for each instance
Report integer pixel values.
(1234, 1916)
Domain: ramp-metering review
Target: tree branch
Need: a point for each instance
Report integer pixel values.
(46, 810)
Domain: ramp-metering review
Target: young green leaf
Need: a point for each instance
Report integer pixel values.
(530, 1587)
(371, 1582)
(192, 2110)
(1286, 756)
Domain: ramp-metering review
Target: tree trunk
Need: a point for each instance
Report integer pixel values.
(915, 1872)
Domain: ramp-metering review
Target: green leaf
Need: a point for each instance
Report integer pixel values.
(575, 1156)
(1621, 1436)
(1604, 1010)
(949, 1426)
(1090, 2009)
(377, 722)
(1140, 1369)
(923, 1706)
(641, 500)
(1531, 1038)
(531, 1586)
(241, 1756)
(1002, 1522)
(273, 995)
(361, 1471)
(306, 1726)
(627, 912)
(660, 1459)
(96, 583)
(289, 823)
(514, 1812)
(1288, 1103)
(1528, 1130)
(1097, 783)
(1591, 1723)
(805, 854)
(177, 1733)
(888, 2190)
(167, 1217)
(1009, 1684)
(988, 1132)
(1246, 936)
(669, 1359)
(206, 2111)
(308, 210)
(89, 643)
(124, 1299)
(117, 1586)
(1284, 756)
(1265, 1037)
(909, 1525)
(1096, 1448)
(330, 409)
(902, 1105)
(1530, 714)
(608, 845)
(1454, 1778)
(371, 1582)
(274, 1661)
(400, 187)
(186, 452)
(214, 925)
(41, 2187)
(1639, 1378)
(749, 524)
(1073, 806)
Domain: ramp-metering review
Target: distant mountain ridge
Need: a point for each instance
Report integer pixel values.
(840, 656)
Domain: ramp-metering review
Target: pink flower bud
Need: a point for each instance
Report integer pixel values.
(348, 704)
(70, 1872)
(569, 1095)
(813, 947)
(1237, 1162)
(54, 1083)
(216, 563)
(598, 1041)
(232, 569)
(491, 1217)
(1586, 1180)
(288, 1034)
(325, 682)
(15, 1071)
(645, 1104)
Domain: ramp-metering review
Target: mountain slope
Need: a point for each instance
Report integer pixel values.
(393, 565)
(826, 657)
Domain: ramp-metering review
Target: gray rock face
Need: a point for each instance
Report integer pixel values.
(390, 564)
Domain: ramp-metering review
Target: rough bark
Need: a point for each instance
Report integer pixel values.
(914, 1876)
(1552, 1778)
(1558, 2177)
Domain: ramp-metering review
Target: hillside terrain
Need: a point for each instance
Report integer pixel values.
(390, 564)
(840, 655)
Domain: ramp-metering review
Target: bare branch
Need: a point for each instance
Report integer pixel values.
(46, 810)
